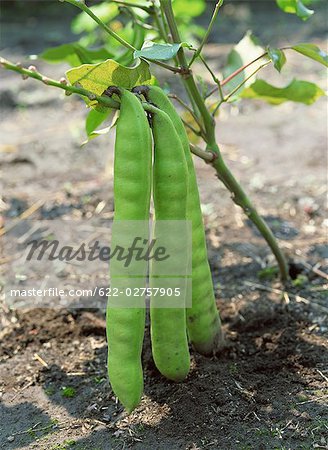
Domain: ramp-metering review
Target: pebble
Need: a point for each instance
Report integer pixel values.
(10, 438)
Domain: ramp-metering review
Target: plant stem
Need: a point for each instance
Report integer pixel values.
(209, 29)
(188, 108)
(245, 81)
(240, 198)
(132, 5)
(191, 128)
(159, 23)
(164, 65)
(101, 99)
(32, 73)
(215, 79)
(227, 97)
(81, 5)
(237, 72)
(223, 172)
(208, 157)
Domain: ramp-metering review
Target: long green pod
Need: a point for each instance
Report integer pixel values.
(170, 190)
(132, 191)
(203, 320)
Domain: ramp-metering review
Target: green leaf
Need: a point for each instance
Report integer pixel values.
(191, 8)
(278, 57)
(96, 78)
(297, 91)
(161, 52)
(75, 54)
(93, 133)
(245, 51)
(295, 7)
(313, 52)
(94, 119)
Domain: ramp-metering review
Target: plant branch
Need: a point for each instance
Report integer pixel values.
(237, 72)
(188, 78)
(132, 5)
(209, 29)
(188, 108)
(81, 5)
(159, 23)
(208, 157)
(164, 65)
(31, 72)
(215, 79)
(240, 198)
(104, 100)
(191, 128)
(227, 97)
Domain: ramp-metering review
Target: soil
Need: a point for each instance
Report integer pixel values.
(268, 387)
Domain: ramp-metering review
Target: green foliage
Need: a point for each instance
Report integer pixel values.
(297, 91)
(97, 77)
(313, 52)
(75, 54)
(94, 119)
(161, 52)
(278, 57)
(296, 7)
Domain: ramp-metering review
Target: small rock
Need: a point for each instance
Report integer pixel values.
(10, 438)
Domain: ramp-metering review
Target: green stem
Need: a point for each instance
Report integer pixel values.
(81, 5)
(187, 76)
(208, 157)
(188, 108)
(237, 72)
(245, 80)
(209, 29)
(240, 198)
(165, 66)
(31, 72)
(191, 128)
(215, 79)
(132, 5)
(236, 89)
(159, 23)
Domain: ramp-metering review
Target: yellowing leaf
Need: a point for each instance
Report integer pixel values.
(96, 78)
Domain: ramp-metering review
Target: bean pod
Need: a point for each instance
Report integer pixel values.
(132, 190)
(203, 321)
(170, 190)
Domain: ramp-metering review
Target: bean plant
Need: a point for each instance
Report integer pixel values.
(112, 69)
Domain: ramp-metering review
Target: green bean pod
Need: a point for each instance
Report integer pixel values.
(170, 189)
(203, 320)
(132, 191)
